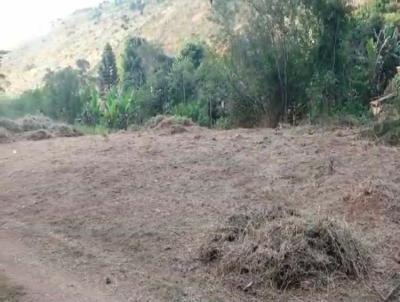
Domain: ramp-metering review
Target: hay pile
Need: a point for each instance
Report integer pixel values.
(4, 135)
(38, 135)
(35, 122)
(280, 248)
(171, 124)
(34, 128)
(10, 125)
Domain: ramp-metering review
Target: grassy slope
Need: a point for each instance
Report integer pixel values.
(84, 34)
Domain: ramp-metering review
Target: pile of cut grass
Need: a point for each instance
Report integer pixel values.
(10, 125)
(279, 248)
(34, 128)
(162, 122)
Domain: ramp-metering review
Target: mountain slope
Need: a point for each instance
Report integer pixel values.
(83, 35)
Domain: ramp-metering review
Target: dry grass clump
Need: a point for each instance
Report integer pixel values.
(169, 125)
(35, 122)
(282, 249)
(10, 125)
(163, 122)
(154, 121)
(34, 128)
(38, 135)
(62, 130)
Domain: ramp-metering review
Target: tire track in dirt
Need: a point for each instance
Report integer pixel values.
(41, 283)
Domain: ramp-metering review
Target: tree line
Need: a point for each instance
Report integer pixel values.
(273, 61)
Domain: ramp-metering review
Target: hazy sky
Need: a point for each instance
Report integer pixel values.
(22, 20)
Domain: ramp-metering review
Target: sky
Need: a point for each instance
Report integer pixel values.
(23, 20)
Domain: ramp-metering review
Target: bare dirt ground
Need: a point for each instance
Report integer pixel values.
(121, 218)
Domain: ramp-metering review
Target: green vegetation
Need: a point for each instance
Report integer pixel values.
(108, 74)
(61, 98)
(291, 61)
(386, 132)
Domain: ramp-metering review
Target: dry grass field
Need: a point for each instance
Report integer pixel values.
(123, 217)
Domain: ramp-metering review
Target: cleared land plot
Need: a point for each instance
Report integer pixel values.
(122, 218)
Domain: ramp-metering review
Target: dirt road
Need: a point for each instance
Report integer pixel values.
(121, 218)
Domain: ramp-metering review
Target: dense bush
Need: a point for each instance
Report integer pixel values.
(307, 58)
(30, 102)
(62, 90)
(62, 97)
(386, 132)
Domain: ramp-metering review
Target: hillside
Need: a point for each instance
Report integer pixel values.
(83, 35)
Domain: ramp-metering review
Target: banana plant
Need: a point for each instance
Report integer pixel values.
(116, 109)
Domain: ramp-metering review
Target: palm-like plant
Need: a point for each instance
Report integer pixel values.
(117, 108)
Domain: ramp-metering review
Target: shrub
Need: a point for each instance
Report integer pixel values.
(386, 132)
(116, 109)
(29, 102)
(62, 89)
(194, 52)
(91, 113)
(186, 109)
(223, 123)
(182, 82)
(134, 75)
(322, 94)
(394, 87)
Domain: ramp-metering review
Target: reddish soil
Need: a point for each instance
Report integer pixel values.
(120, 218)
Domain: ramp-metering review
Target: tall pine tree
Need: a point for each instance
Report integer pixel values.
(108, 73)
